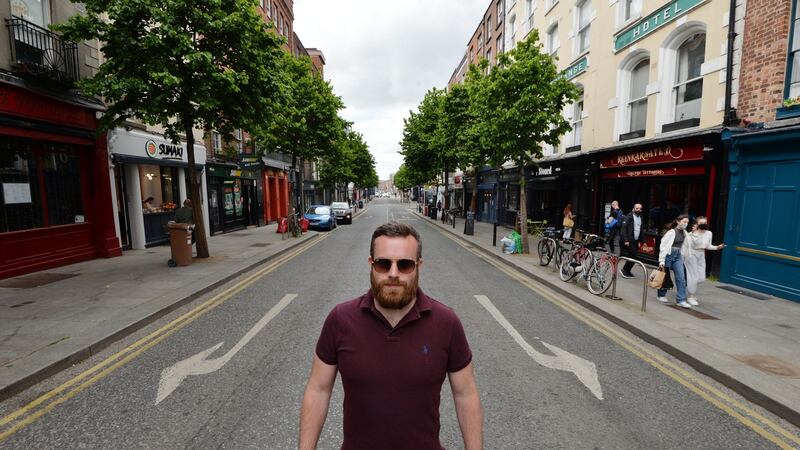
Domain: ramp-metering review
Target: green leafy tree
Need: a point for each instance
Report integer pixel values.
(181, 65)
(521, 107)
(306, 122)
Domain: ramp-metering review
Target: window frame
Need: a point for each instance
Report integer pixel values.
(643, 98)
(576, 109)
(489, 28)
(793, 55)
(580, 29)
(553, 50)
(47, 13)
(677, 83)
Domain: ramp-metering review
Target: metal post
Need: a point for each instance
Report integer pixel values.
(494, 237)
(613, 295)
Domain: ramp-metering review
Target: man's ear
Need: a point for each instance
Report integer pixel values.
(369, 260)
(419, 263)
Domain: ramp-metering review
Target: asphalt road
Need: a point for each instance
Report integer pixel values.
(252, 398)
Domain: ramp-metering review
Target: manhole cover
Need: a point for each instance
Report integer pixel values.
(741, 291)
(261, 244)
(693, 312)
(35, 280)
(770, 364)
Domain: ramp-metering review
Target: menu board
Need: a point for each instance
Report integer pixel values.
(16, 193)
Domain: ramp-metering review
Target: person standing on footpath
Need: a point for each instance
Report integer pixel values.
(631, 235)
(393, 347)
(569, 221)
(612, 228)
(700, 241)
(673, 247)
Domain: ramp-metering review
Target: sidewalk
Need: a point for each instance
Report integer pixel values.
(750, 345)
(58, 317)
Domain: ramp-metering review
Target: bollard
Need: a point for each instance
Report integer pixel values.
(494, 236)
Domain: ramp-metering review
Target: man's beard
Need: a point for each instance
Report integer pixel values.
(394, 299)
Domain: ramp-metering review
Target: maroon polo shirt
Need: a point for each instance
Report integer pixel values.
(393, 377)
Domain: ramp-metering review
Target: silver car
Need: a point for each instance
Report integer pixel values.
(343, 212)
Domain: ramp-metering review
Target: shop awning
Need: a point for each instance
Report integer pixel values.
(123, 159)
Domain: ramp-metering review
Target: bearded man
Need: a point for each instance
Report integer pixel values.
(393, 347)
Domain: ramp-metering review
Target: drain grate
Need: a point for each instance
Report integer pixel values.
(741, 291)
(261, 244)
(35, 280)
(693, 312)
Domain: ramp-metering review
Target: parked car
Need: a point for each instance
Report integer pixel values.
(343, 212)
(320, 217)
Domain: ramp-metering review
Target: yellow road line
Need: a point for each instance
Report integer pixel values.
(126, 355)
(722, 401)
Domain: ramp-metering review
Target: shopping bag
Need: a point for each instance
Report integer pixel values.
(568, 223)
(656, 278)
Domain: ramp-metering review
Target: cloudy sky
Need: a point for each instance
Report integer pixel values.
(383, 56)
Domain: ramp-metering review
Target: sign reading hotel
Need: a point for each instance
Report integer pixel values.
(577, 68)
(654, 21)
(658, 155)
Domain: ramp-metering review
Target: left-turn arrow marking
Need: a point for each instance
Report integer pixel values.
(198, 364)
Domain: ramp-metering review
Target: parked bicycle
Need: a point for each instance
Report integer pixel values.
(552, 246)
(602, 273)
(581, 258)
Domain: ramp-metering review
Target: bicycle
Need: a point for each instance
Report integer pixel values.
(581, 256)
(548, 245)
(602, 273)
(451, 216)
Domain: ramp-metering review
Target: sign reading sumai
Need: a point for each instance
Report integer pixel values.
(654, 21)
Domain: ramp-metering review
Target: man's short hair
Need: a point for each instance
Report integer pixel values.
(395, 229)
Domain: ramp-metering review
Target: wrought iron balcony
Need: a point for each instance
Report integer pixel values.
(42, 53)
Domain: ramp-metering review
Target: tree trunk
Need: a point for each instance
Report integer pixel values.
(446, 202)
(294, 227)
(523, 209)
(195, 194)
(473, 203)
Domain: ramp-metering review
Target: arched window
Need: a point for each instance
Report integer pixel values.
(688, 88)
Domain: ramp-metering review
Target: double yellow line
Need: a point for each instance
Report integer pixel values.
(747, 416)
(34, 410)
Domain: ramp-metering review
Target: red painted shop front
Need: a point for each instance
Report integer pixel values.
(55, 199)
(276, 194)
(669, 179)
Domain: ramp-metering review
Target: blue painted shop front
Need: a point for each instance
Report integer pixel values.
(763, 222)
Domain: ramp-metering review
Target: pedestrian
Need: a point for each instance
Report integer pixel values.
(700, 241)
(671, 253)
(569, 221)
(393, 347)
(612, 228)
(631, 235)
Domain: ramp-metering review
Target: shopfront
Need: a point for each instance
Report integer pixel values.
(668, 179)
(276, 194)
(556, 182)
(55, 205)
(150, 182)
(487, 196)
(232, 198)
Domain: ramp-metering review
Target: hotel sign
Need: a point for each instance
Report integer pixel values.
(654, 21)
(658, 155)
(577, 68)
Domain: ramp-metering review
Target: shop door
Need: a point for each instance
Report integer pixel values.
(122, 207)
(233, 198)
(214, 207)
(762, 229)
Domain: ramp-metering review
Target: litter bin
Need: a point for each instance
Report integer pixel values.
(180, 244)
(469, 224)
(433, 212)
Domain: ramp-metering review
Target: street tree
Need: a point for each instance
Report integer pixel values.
(181, 65)
(521, 106)
(305, 122)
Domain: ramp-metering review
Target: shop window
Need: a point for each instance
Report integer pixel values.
(583, 26)
(21, 199)
(62, 175)
(552, 40)
(160, 183)
(688, 89)
(512, 197)
(669, 200)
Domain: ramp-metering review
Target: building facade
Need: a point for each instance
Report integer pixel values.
(763, 205)
(55, 204)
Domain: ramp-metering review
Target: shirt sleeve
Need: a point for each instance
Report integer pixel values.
(326, 344)
(460, 353)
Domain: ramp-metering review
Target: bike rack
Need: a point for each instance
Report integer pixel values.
(613, 295)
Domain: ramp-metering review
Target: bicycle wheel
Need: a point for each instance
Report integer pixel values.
(600, 276)
(545, 250)
(566, 271)
(560, 254)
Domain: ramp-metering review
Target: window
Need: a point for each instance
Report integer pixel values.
(239, 141)
(794, 55)
(637, 105)
(499, 12)
(552, 40)
(631, 9)
(62, 175)
(21, 201)
(262, 4)
(512, 28)
(269, 8)
(499, 45)
(489, 29)
(549, 4)
(480, 43)
(216, 142)
(489, 56)
(471, 54)
(161, 183)
(529, 13)
(576, 121)
(34, 11)
(688, 89)
(280, 24)
(584, 12)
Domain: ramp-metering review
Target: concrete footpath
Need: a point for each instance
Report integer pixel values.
(749, 343)
(55, 318)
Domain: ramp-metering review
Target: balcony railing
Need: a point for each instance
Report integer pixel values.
(42, 53)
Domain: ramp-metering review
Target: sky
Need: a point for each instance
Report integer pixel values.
(381, 57)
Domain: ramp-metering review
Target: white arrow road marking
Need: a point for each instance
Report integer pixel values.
(585, 370)
(172, 376)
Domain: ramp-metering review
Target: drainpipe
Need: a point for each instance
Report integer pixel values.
(730, 118)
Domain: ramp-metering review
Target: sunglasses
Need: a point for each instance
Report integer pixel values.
(382, 265)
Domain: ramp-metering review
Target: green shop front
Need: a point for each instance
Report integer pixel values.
(233, 200)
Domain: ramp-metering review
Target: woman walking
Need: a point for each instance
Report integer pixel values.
(569, 221)
(670, 256)
(700, 241)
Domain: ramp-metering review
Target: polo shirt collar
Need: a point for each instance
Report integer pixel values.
(422, 304)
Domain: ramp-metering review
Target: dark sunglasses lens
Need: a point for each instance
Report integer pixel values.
(382, 265)
(406, 265)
